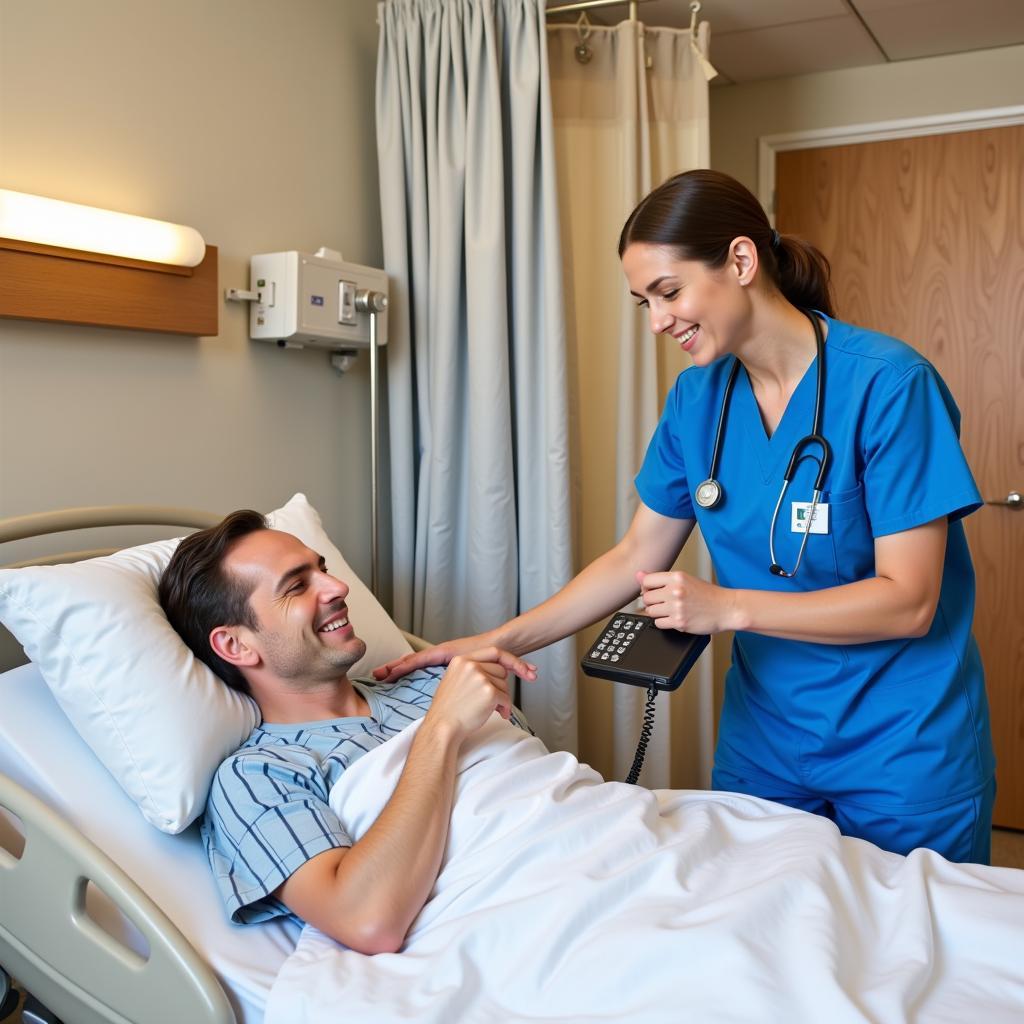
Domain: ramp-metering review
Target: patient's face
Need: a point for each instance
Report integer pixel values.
(304, 636)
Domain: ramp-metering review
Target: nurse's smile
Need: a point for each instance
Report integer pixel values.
(686, 337)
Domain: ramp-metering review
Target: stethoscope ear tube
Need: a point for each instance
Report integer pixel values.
(709, 493)
(798, 455)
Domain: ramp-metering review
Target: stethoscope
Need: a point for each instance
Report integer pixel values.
(709, 494)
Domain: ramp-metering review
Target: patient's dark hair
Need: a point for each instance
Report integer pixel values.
(699, 213)
(198, 594)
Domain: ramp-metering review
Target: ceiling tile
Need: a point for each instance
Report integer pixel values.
(798, 49)
(923, 28)
(738, 15)
(753, 39)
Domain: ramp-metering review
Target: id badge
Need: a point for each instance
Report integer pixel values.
(803, 522)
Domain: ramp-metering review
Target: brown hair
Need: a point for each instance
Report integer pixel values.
(197, 594)
(699, 213)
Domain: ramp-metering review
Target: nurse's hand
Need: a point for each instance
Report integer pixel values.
(442, 654)
(677, 600)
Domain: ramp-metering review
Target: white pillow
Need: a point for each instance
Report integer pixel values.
(159, 719)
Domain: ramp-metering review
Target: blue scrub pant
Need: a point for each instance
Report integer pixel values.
(960, 830)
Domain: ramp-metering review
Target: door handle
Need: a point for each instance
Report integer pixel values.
(1013, 500)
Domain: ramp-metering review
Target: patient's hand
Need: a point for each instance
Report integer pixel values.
(439, 654)
(474, 686)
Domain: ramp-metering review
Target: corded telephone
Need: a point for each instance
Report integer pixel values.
(631, 649)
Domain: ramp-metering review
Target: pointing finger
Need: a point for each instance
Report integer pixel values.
(507, 660)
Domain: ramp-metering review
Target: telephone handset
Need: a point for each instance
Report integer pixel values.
(631, 649)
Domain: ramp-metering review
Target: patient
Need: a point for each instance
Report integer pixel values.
(259, 608)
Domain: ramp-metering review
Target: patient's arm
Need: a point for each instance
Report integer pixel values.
(651, 543)
(367, 895)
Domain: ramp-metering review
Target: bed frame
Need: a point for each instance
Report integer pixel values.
(48, 941)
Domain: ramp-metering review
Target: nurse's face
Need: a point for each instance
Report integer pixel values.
(703, 309)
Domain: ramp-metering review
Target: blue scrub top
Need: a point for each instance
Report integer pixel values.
(891, 725)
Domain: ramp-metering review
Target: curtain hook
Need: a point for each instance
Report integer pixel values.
(583, 52)
(694, 11)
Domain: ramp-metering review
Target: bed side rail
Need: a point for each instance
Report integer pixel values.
(56, 950)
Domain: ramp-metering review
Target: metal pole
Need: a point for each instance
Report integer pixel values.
(589, 5)
(374, 459)
(373, 303)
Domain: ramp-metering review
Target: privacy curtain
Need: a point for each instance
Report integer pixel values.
(633, 114)
(477, 379)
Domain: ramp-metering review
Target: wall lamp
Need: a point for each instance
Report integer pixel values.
(79, 264)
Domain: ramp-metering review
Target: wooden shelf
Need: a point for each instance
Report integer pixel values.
(63, 286)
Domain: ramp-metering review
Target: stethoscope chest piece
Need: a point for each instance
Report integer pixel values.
(708, 494)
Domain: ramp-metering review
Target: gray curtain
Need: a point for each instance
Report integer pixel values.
(477, 379)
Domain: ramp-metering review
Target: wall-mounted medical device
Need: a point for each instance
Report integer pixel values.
(299, 299)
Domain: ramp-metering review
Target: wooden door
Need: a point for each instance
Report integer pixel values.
(926, 240)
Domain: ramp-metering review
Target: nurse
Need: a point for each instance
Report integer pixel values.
(822, 462)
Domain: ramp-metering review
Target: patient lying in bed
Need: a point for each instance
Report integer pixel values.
(259, 608)
(518, 885)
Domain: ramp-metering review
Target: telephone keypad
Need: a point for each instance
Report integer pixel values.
(616, 640)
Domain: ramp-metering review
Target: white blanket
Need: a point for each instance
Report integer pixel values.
(566, 898)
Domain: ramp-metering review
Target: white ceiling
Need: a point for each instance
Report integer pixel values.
(756, 39)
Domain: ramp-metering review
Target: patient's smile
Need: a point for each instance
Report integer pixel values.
(332, 626)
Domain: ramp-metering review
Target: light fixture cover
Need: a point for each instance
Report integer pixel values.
(29, 218)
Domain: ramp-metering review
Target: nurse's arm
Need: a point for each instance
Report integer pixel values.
(651, 543)
(900, 600)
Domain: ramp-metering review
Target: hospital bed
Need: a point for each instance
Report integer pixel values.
(104, 918)
(562, 898)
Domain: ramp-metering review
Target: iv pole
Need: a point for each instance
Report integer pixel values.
(372, 302)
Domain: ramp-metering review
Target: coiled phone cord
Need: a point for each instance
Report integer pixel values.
(645, 737)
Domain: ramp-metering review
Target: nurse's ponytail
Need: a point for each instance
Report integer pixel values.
(802, 273)
(699, 213)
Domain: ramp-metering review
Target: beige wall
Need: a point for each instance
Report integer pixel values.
(253, 121)
(913, 88)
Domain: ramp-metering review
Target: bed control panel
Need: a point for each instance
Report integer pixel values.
(631, 649)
